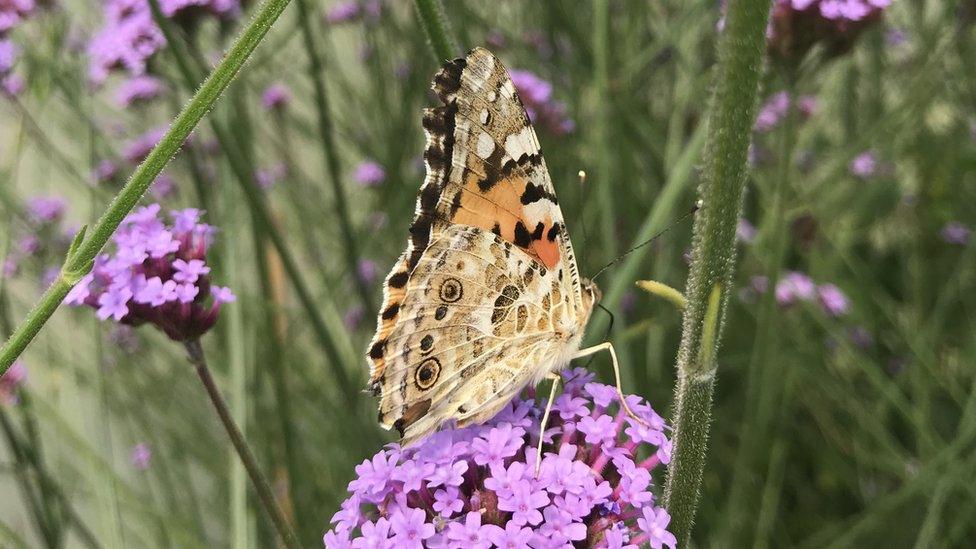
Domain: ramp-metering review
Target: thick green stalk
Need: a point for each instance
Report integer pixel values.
(329, 154)
(438, 30)
(83, 252)
(740, 53)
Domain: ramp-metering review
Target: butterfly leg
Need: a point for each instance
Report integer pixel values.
(607, 346)
(545, 419)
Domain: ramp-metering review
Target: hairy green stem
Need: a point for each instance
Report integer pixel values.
(740, 53)
(329, 154)
(79, 260)
(261, 486)
(438, 31)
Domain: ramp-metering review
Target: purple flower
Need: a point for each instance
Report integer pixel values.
(8, 55)
(955, 232)
(351, 10)
(410, 528)
(104, 171)
(44, 209)
(793, 287)
(10, 383)
(833, 300)
(861, 337)
(745, 231)
(777, 107)
(369, 174)
(276, 96)
(138, 149)
(157, 274)
(140, 456)
(12, 12)
(655, 523)
(864, 165)
(367, 271)
(138, 89)
(470, 534)
(353, 317)
(477, 487)
(796, 26)
(543, 110)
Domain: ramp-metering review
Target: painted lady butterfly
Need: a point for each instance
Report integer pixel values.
(486, 299)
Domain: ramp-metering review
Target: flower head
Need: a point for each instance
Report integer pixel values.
(46, 209)
(140, 456)
(833, 300)
(864, 165)
(797, 25)
(793, 287)
(138, 89)
(542, 109)
(11, 381)
(369, 174)
(276, 96)
(955, 232)
(12, 12)
(477, 487)
(157, 275)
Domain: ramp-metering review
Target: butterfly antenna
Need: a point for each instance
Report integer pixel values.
(693, 209)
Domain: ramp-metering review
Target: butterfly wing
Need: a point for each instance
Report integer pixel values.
(485, 172)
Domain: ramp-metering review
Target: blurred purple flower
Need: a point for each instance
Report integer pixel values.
(777, 107)
(955, 232)
(266, 178)
(343, 12)
(369, 174)
(795, 286)
(104, 171)
(796, 26)
(367, 271)
(861, 337)
(138, 89)
(745, 231)
(157, 275)
(163, 187)
(138, 149)
(8, 54)
(276, 96)
(12, 12)
(833, 300)
(864, 165)
(10, 383)
(477, 486)
(141, 456)
(543, 110)
(353, 317)
(45, 209)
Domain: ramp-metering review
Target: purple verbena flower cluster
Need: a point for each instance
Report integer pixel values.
(141, 456)
(797, 25)
(865, 165)
(276, 96)
(138, 89)
(795, 287)
(955, 232)
(369, 174)
(10, 383)
(157, 274)
(13, 12)
(476, 487)
(778, 105)
(352, 10)
(42, 240)
(129, 36)
(543, 110)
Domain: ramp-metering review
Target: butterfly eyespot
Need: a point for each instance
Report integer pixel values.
(426, 343)
(451, 290)
(427, 374)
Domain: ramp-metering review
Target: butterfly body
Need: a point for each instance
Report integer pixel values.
(487, 298)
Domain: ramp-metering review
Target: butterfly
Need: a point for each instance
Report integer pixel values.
(487, 298)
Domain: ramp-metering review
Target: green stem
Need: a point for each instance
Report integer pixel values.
(740, 50)
(261, 486)
(438, 30)
(324, 122)
(79, 262)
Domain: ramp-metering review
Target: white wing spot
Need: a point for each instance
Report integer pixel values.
(486, 145)
(483, 116)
